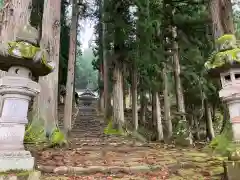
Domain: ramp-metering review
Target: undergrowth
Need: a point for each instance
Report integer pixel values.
(35, 134)
(110, 130)
(222, 144)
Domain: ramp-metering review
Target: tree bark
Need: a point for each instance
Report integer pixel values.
(179, 91)
(124, 86)
(209, 124)
(143, 107)
(178, 85)
(118, 112)
(47, 99)
(196, 128)
(157, 119)
(167, 111)
(14, 12)
(222, 17)
(71, 69)
(134, 98)
(105, 65)
(101, 96)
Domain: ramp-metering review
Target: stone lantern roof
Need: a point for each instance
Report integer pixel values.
(26, 53)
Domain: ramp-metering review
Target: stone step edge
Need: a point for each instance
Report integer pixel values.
(70, 170)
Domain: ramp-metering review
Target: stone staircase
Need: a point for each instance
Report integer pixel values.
(100, 156)
(88, 124)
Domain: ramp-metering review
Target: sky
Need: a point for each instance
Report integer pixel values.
(86, 30)
(86, 34)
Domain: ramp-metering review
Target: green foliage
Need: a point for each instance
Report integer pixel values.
(35, 132)
(222, 143)
(109, 130)
(58, 138)
(64, 43)
(228, 53)
(1, 4)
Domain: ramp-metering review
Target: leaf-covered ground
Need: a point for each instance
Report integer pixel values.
(124, 160)
(93, 155)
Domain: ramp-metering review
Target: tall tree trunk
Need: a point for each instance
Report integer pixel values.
(124, 86)
(14, 12)
(183, 124)
(167, 111)
(134, 97)
(71, 69)
(209, 124)
(105, 65)
(118, 112)
(157, 119)
(222, 17)
(153, 122)
(143, 107)
(47, 99)
(196, 128)
(178, 85)
(130, 96)
(101, 96)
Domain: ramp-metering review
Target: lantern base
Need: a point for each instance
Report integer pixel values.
(16, 160)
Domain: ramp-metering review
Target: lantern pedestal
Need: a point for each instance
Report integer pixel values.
(16, 89)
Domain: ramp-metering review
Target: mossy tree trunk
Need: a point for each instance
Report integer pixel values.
(47, 101)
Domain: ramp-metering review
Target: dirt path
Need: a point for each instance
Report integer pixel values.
(93, 155)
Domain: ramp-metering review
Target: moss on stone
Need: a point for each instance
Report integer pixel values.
(226, 38)
(27, 51)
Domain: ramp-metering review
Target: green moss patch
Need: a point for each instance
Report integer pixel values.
(35, 134)
(109, 130)
(28, 51)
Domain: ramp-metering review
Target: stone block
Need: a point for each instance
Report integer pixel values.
(16, 160)
(11, 136)
(20, 175)
(231, 170)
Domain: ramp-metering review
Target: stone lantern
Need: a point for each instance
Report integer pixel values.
(22, 59)
(226, 63)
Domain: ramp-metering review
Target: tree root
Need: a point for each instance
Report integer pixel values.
(61, 170)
